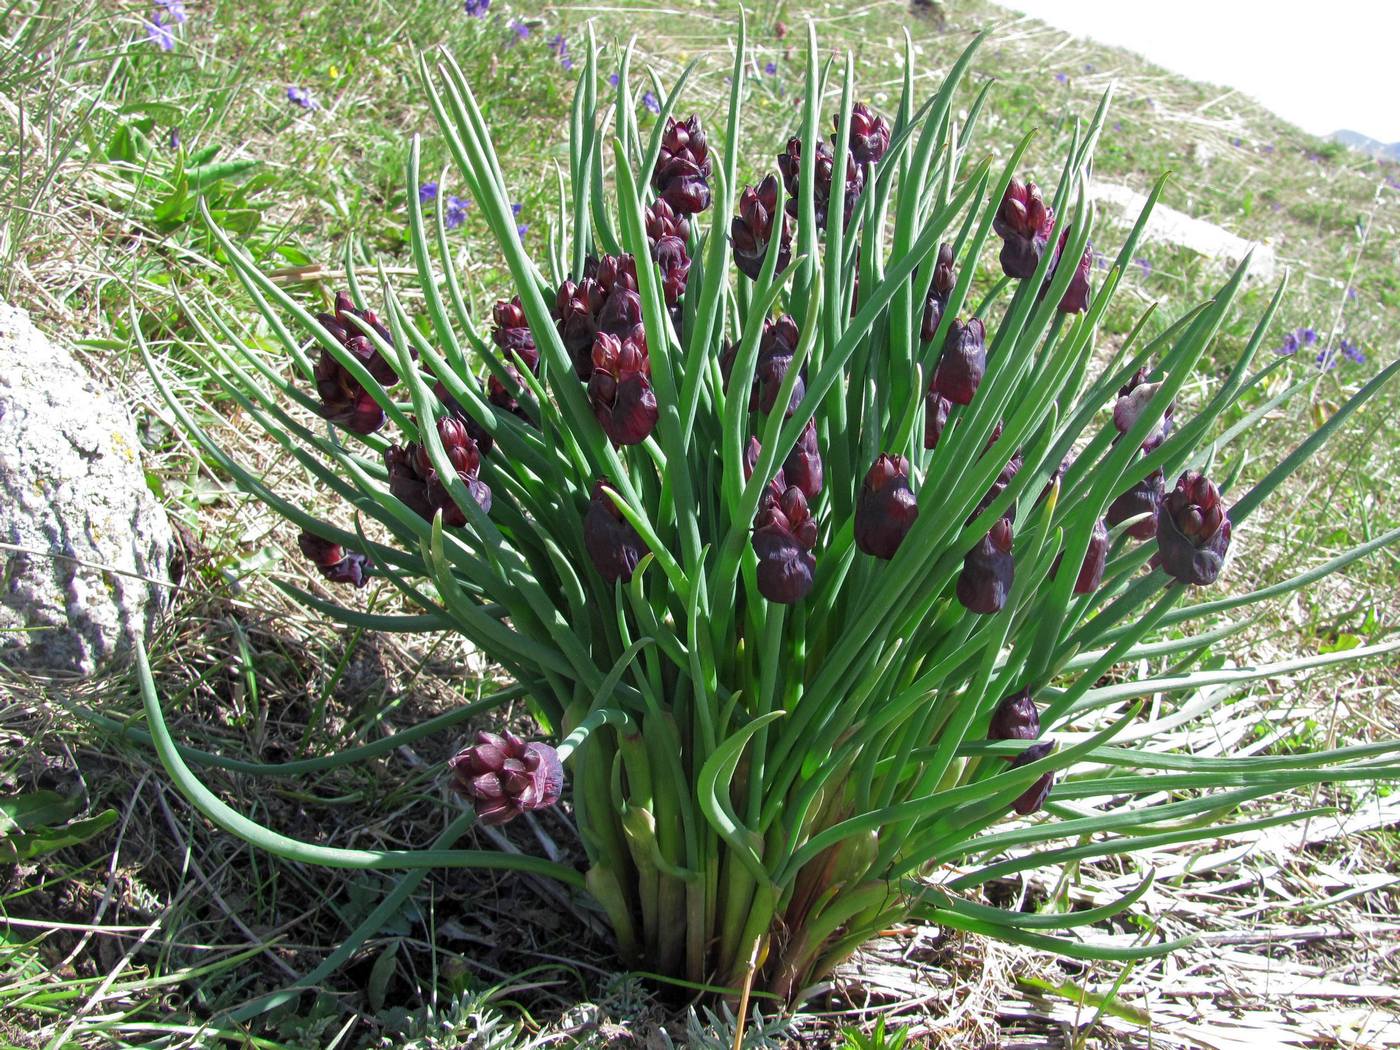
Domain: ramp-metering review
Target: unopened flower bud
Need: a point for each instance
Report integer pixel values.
(886, 508)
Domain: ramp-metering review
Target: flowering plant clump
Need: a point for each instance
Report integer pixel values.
(822, 561)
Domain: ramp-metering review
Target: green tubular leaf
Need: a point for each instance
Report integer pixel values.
(1045, 921)
(716, 775)
(391, 624)
(223, 816)
(1056, 945)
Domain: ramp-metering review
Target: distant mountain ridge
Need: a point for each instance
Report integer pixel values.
(1366, 144)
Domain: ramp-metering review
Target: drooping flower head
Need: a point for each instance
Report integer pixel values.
(1095, 559)
(667, 234)
(752, 229)
(332, 561)
(511, 332)
(613, 544)
(415, 481)
(988, 571)
(790, 164)
(886, 508)
(940, 287)
(502, 776)
(1076, 297)
(784, 534)
(963, 361)
(1143, 498)
(343, 400)
(682, 176)
(1193, 530)
(1034, 796)
(803, 466)
(870, 135)
(1023, 222)
(620, 389)
(1016, 718)
(936, 409)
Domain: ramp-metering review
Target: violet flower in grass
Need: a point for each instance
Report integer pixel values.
(1023, 222)
(620, 389)
(771, 69)
(752, 229)
(1145, 497)
(476, 8)
(332, 561)
(414, 480)
(870, 135)
(790, 165)
(343, 400)
(1193, 530)
(427, 193)
(803, 466)
(963, 361)
(502, 776)
(300, 96)
(174, 10)
(455, 212)
(614, 546)
(159, 33)
(683, 167)
(940, 287)
(784, 534)
(651, 102)
(886, 508)
(988, 571)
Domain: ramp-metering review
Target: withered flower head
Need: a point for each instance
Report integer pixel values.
(1023, 222)
(502, 776)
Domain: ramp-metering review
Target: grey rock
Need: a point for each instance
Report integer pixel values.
(86, 550)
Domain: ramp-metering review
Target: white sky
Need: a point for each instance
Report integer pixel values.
(1322, 66)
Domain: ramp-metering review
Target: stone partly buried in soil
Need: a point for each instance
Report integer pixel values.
(88, 551)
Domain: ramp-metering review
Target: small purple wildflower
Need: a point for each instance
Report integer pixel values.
(1088, 67)
(1143, 264)
(174, 10)
(612, 79)
(301, 97)
(476, 8)
(1062, 78)
(519, 28)
(567, 62)
(1351, 294)
(1352, 352)
(174, 138)
(771, 69)
(1290, 345)
(456, 212)
(1237, 142)
(1326, 359)
(1392, 182)
(427, 192)
(1117, 125)
(1269, 148)
(1308, 336)
(521, 229)
(516, 209)
(650, 101)
(559, 45)
(1100, 260)
(158, 33)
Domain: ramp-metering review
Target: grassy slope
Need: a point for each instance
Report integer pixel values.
(97, 227)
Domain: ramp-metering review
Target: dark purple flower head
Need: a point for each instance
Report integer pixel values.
(790, 164)
(776, 349)
(671, 258)
(936, 409)
(1193, 531)
(604, 300)
(1095, 558)
(988, 571)
(511, 332)
(664, 221)
(414, 480)
(962, 362)
(519, 28)
(752, 229)
(682, 175)
(1034, 796)
(1076, 297)
(940, 287)
(886, 508)
(1015, 718)
(427, 192)
(1143, 498)
(343, 400)
(784, 534)
(1023, 222)
(1352, 352)
(803, 466)
(502, 776)
(334, 563)
(1133, 399)
(870, 135)
(771, 69)
(484, 441)
(1003, 480)
(612, 542)
(620, 389)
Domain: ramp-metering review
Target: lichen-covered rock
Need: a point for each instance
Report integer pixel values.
(87, 550)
